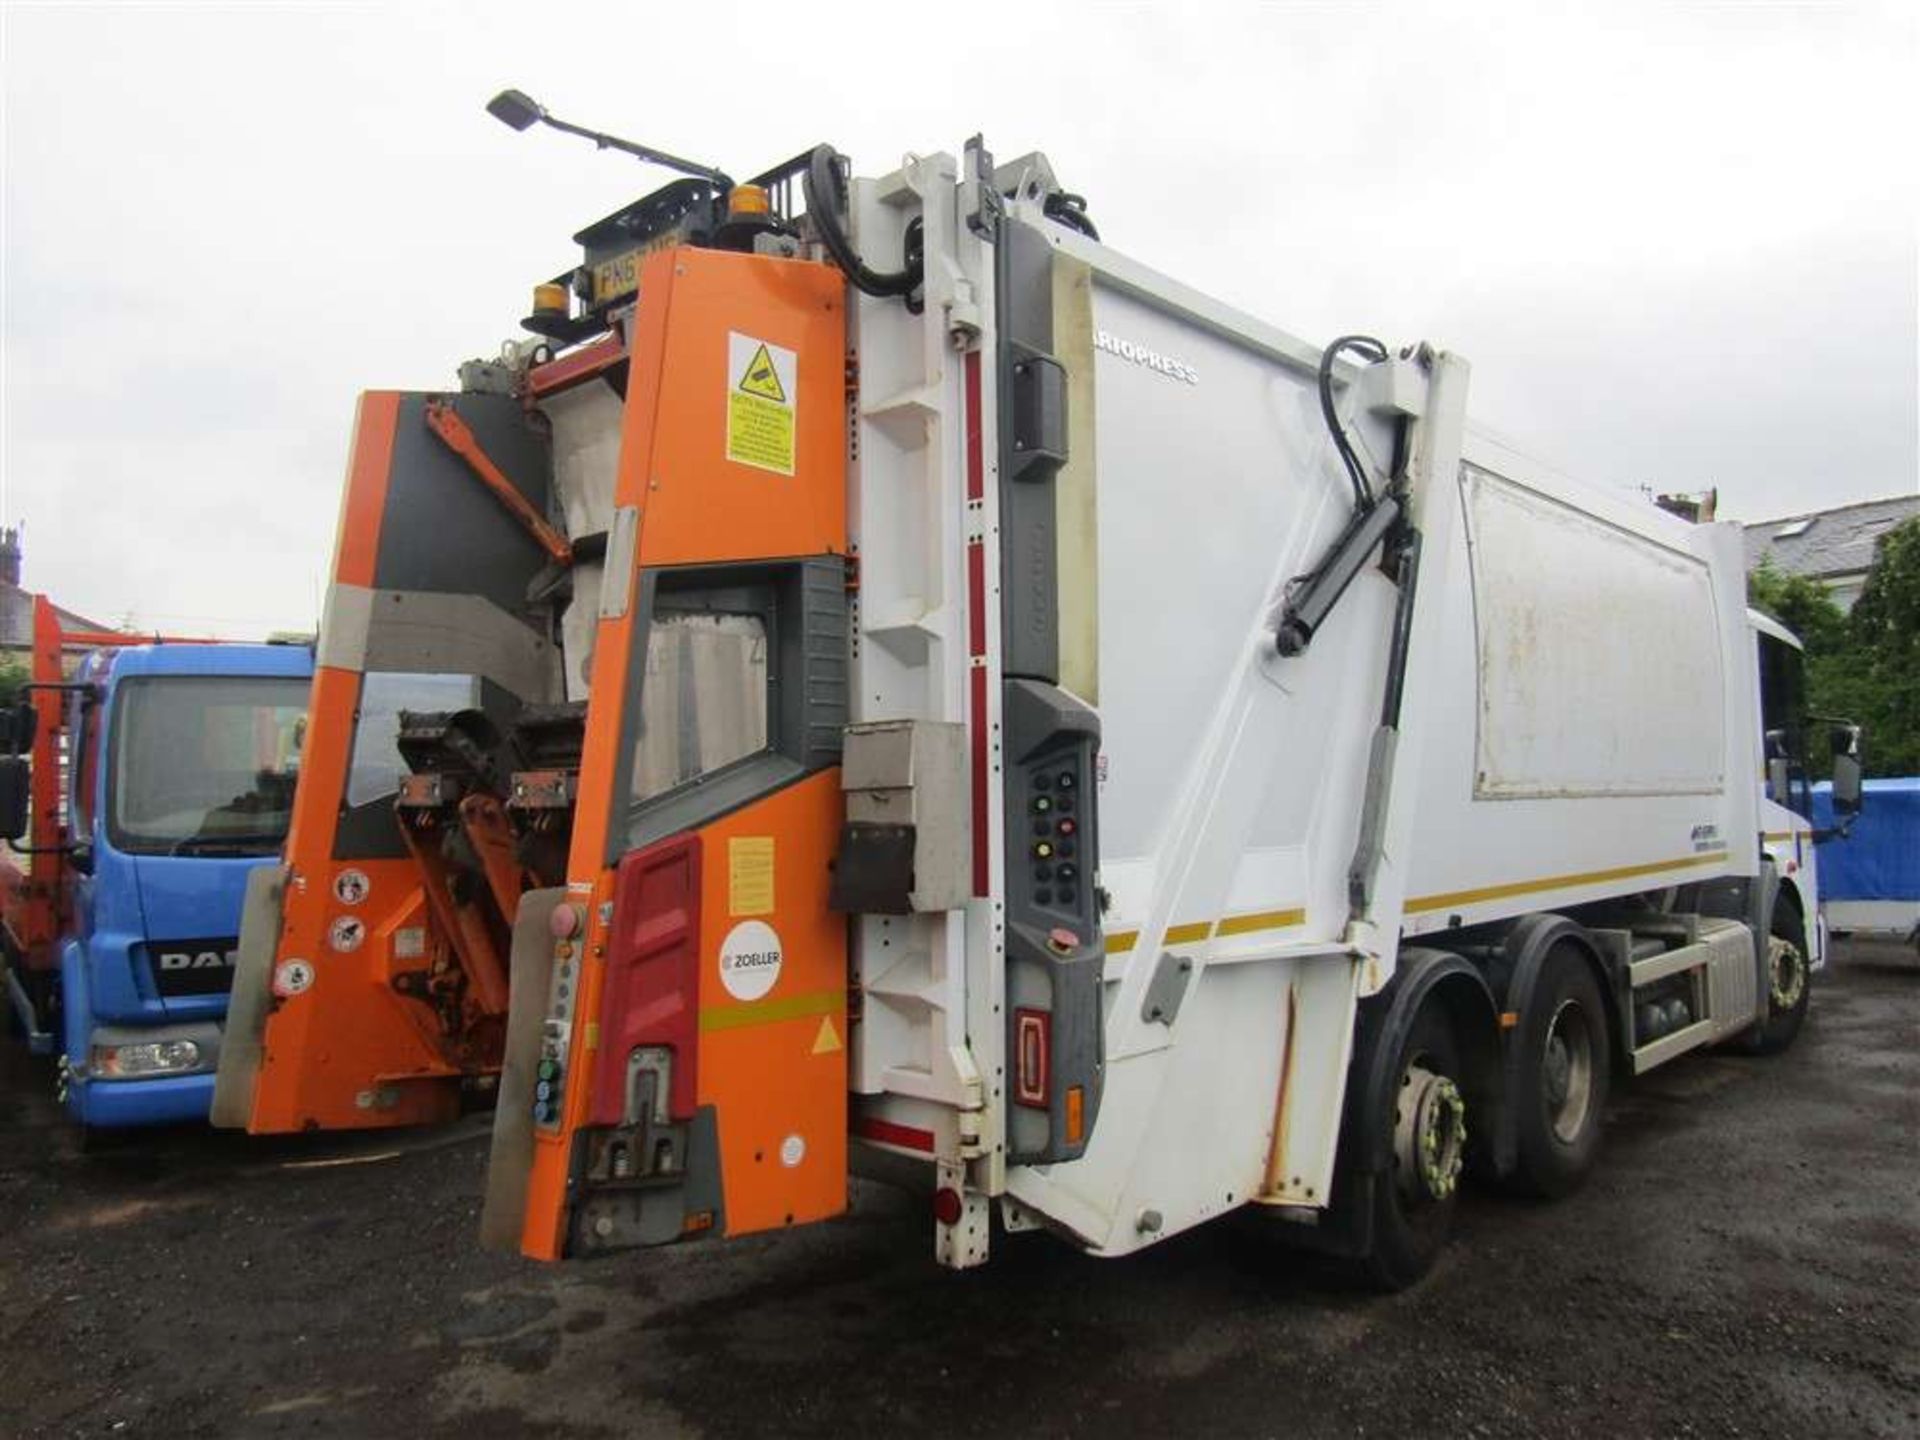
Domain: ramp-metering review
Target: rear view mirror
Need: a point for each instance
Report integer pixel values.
(1778, 774)
(15, 794)
(1846, 769)
(19, 723)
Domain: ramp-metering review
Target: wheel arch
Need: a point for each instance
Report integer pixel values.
(1790, 894)
(1365, 1151)
(1451, 981)
(1524, 954)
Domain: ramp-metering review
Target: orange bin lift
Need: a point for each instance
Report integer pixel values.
(616, 912)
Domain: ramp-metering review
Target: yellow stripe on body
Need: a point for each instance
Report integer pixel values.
(1193, 931)
(1261, 920)
(1425, 903)
(771, 1012)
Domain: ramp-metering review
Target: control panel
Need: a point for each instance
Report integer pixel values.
(1056, 951)
(556, 1032)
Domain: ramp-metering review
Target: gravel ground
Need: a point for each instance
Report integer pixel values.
(1746, 1261)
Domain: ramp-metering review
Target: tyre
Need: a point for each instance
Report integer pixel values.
(1561, 1073)
(1789, 984)
(1415, 1200)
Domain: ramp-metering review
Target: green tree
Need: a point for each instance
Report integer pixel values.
(14, 677)
(1801, 604)
(1883, 634)
(1863, 666)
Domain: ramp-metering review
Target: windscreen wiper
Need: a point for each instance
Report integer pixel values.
(237, 844)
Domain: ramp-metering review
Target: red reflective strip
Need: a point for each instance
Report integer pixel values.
(908, 1137)
(976, 467)
(977, 679)
(976, 598)
(977, 629)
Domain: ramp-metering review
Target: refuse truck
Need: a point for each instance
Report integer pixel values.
(938, 698)
(146, 786)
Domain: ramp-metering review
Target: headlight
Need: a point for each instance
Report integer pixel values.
(155, 1057)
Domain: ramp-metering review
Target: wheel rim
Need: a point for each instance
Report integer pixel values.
(1788, 971)
(1429, 1134)
(1566, 1072)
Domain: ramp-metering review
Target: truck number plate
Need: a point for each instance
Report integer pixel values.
(616, 277)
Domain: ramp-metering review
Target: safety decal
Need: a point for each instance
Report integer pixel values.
(291, 977)
(762, 398)
(750, 875)
(350, 887)
(346, 933)
(750, 960)
(827, 1039)
(793, 1150)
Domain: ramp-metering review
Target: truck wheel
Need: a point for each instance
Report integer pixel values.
(1414, 1201)
(1562, 1068)
(1789, 985)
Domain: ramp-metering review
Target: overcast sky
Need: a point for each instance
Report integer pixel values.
(1677, 243)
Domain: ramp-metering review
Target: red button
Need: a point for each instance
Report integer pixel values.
(1062, 941)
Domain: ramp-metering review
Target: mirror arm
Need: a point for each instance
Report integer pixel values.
(70, 848)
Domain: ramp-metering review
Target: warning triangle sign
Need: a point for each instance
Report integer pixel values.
(762, 379)
(828, 1039)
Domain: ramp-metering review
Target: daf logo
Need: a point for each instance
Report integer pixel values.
(1143, 355)
(199, 959)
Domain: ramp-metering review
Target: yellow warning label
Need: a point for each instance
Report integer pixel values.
(762, 379)
(762, 401)
(750, 875)
(828, 1040)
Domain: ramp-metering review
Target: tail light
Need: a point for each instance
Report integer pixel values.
(1033, 1044)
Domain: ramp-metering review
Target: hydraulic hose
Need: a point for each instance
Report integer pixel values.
(1371, 348)
(822, 186)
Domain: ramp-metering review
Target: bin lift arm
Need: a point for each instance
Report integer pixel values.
(458, 436)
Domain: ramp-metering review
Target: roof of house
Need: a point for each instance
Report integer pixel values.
(1828, 542)
(16, 618)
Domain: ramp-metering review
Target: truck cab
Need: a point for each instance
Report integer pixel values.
(176, 782)
(1788, 832)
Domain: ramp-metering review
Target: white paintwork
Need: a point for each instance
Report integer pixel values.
(1580, 720)
(1575, 620)
(1896, 917)
(926, 1053)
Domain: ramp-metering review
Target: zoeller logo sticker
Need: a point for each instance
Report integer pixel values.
(750, 960)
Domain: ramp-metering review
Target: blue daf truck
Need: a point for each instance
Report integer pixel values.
(140, 793)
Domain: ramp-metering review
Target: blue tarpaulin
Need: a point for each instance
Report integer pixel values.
(1880, 858)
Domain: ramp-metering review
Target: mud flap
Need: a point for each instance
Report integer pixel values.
(243, 1045)
(510, 1160)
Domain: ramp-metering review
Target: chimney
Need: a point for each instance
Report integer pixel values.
(10, 556)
